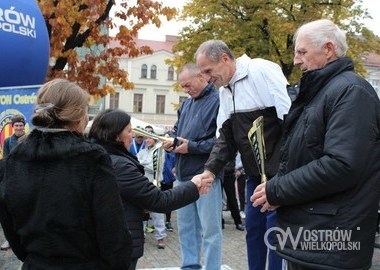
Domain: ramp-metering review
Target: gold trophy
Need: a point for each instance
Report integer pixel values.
(256, 138)
(157, 163)
(142, 132)
(157, 152)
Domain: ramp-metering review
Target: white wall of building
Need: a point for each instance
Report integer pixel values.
(150, 88)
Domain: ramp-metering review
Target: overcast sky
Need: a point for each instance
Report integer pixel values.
(373, 7)
(173, 28)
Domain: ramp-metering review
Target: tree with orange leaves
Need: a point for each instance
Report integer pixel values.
(79, 38)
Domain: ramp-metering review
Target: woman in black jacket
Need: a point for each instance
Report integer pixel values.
(112, 129)
(59, 206)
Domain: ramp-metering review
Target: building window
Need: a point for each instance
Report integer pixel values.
(114, 101)
(181, 100)
(153, 72)
(144, 71)
(137, 103)
(171, 73)
(160, 104)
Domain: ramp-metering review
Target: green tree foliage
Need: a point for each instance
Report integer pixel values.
(265, 28)
(79, 38)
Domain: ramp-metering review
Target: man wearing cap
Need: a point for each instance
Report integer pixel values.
(138, 144)
(18, 125)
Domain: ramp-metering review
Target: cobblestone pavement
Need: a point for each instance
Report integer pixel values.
(234, 251)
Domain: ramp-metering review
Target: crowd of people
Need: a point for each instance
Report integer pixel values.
(70, 200)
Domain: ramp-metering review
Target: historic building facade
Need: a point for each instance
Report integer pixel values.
(153, 98)
(372, 65)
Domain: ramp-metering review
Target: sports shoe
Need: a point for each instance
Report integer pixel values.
(149, 229)
(226, 208)
(5, 246)
(168, 226)
(160, 244)
(240, 227)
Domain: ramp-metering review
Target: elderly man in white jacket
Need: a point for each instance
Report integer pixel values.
(249, 88)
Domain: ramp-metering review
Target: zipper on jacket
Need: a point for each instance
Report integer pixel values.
(233, 96)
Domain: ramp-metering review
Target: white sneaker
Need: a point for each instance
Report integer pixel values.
(242, 214)
(5, 246)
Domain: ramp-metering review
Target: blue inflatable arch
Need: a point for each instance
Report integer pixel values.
(24, 43)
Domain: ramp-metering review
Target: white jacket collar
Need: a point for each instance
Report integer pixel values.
(241, 69)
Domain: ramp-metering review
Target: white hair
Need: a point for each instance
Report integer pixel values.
(321, 31)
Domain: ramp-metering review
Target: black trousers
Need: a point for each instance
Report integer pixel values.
(228, 184)
(241, 184)
(163, 188)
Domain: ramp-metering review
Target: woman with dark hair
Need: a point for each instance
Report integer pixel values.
(60, 206)
(112, 129)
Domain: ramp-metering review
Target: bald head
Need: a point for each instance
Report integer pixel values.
(191, 80)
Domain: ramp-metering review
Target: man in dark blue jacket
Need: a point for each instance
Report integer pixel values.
(18, 125)
(199, 222)
(327, 189)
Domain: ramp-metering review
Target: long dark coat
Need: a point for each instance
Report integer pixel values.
(60, 206)
(329, 174)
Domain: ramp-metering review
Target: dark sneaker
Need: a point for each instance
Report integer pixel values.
(168, 226)
(5, 246)
(240, 227)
